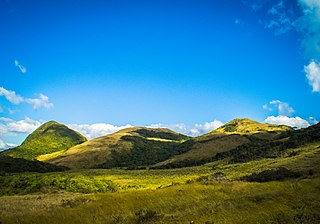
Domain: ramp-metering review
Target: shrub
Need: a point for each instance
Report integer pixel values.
(146, 215)
(271, 175)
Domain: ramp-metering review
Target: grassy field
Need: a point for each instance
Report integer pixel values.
(295, 201)
(212, 193)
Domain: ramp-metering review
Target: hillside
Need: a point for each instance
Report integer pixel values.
(17, 165)
(48, 138)
(228, 137)
(131, 147)
(278, 147)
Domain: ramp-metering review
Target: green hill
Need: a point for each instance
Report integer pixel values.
(48, 138)
(228, 137)
(131, 147)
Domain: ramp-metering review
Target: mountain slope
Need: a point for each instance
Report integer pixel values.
(48, 138)
(228, 137)
(131, 147)
(261, 148)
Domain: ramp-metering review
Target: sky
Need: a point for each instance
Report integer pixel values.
(192, 66)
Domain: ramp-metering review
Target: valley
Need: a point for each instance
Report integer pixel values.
(243, 172)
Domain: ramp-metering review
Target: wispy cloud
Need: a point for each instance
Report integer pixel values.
(11, 96)
(42, 101)
(239, 22)
(313, 75)
(281, 19)
(255, 5)
(282, 108)
(20, 66)
(295, 122)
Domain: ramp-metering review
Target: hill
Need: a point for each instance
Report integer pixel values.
(48, 138)
(247, 126)
(131, 147)
(228, 137)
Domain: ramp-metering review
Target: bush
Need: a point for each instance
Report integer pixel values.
(272, 175)
(146, 215)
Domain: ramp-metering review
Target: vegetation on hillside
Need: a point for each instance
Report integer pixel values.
(26, 184)
(280, 173)
(18, 165)
(131, 147)
(48, 138)
(259, 148)
(144, 152)
(201, 151)
(218, 192)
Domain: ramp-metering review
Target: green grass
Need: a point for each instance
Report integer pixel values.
(224, 202)
(174, 196)
(33, 183)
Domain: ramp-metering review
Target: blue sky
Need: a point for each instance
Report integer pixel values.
(188, 65)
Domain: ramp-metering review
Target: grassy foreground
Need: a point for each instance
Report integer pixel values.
(218, 202)
(213, 193)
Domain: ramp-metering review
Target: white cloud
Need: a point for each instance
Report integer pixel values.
(96, 130)
(295, 122)
(10, 127)
(195, 130)
(313, 75)
(282, 107)
(20, 66)
(25, 126)
(43, 101)
(11, 96)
